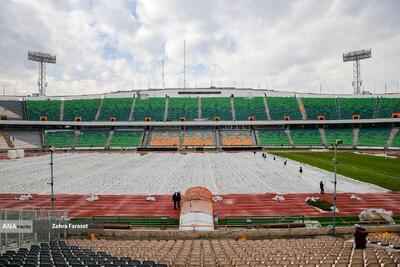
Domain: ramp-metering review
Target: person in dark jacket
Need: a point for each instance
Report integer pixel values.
(321, 186)
(360, 237)
(178, 199)
(301, 170)
(175, 199)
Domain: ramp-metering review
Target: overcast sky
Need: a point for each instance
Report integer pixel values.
(104, 46)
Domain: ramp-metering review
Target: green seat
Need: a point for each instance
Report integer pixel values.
(37, 108)
(216, 107)
(315, 107)
(59, 139)
(273, 137)
(351, 106)
(246, 107)
(388, 106)
(373, 136)
(183, 107)
(306, 137)
(279, 107)
(151, 107)
(92, 138)
(84, 108)
(344, 134)
(116, 107)
(126, 139)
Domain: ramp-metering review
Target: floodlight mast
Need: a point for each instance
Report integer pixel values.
(356, 56)
(42, 58)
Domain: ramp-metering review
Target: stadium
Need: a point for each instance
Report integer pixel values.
(122, 148)
(110, 174)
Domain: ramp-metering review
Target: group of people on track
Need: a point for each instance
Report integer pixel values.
(321, 184)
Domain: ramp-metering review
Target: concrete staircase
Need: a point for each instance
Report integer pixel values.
(323, 136)
(75, 140)
(301, 108)
(181, 135)
(99, 110)
(199, 108)
(392, 135)
(257, 136)
(254, 136)
(166, 109)
(289, 135)
(62, 110)
(145, 139)
(266, 108)
(338, 109)
(356, 131)
(377, 108)
(218, 139)
(233, 109)
(5, 134)
(132, 109)
(109, 139)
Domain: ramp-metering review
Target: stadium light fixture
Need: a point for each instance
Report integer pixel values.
(42, 58)
(356, 56)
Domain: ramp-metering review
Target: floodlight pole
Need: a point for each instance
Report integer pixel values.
(357, 77)
(356, 56)
(42, 58)
(42, 78)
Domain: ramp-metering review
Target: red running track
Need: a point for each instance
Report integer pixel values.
(232, 205)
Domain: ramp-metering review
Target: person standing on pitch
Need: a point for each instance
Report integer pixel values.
(321, 186)
(175, 199)
(178, 199)
(301, 170)
(285, 162)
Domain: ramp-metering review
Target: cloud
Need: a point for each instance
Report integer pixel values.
(105, 46)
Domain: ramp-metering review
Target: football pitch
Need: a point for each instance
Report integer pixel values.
(384, 172)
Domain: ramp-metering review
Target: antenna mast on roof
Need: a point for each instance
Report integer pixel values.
(163, 75)
(184, 64)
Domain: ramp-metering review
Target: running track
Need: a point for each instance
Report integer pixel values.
(232, 205)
